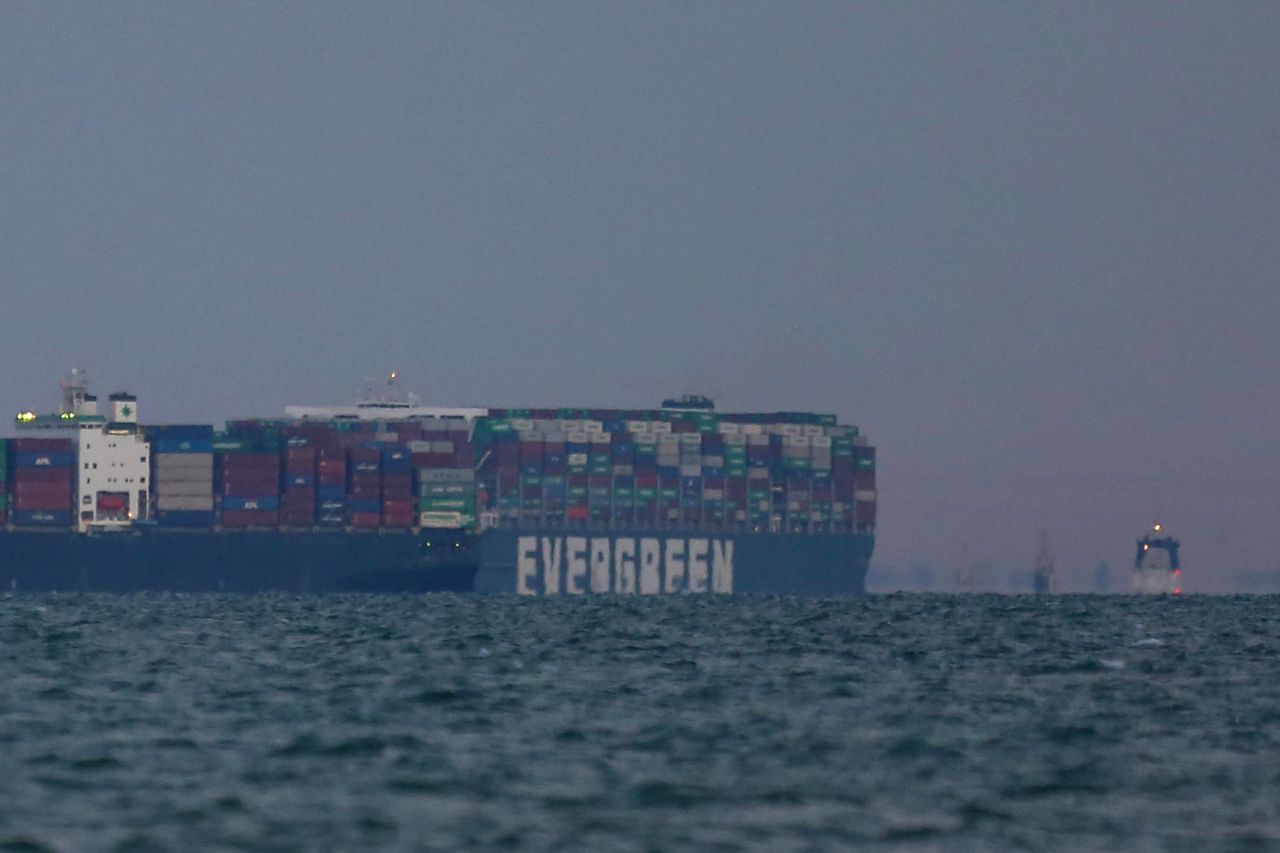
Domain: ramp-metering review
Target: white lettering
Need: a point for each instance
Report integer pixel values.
(624, 553)
(674, 566)
(552, 551)
(650, 558)
(599, 565)
(722, 565)
(577, 569)
(698, 565)
(526, 564)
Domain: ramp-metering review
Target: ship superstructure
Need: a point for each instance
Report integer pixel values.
(1157, 568)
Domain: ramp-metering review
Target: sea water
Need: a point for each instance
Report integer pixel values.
(899, 722)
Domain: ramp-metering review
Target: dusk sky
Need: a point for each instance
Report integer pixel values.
(1033, 250)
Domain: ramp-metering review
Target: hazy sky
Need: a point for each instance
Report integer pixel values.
(1032, 249)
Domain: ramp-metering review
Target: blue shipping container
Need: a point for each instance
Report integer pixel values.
(183, 445)
(365, 505)
(41, 518)
(332, 493)
(238, 503)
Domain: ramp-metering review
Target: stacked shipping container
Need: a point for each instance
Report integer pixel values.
(791, 472)
(42, 471)
(182, 475)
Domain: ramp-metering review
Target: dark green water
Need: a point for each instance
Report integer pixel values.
(901, 722)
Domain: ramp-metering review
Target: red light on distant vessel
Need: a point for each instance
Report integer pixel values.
(1177, 572)
(1177, 590)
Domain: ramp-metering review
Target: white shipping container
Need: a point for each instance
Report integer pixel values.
(757, 473)
(592, 427)
(446, 475)
(601, 438)
(442, 447)
(181, 489)
(419, 447)
(668, 439)
(439, 520)
(713, 494)
(730, 429)
(660, 427)
(623, 470)
(691, 438)
(790, 429)
(579, 438)
(577, 459)
(169, 461)
(529, 435)
(864, 495)
(812, 430)
(544, 425)
(522, 425)
(735, 441)
(796, 441)
(757, 439)
(687, 470)
(753, 429)
(555, 436)
(638, 427)
(713, 461)
(646, 438)
(570, 425)
(821, 441)
(196, 503)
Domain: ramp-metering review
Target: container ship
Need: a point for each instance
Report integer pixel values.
(391, 496)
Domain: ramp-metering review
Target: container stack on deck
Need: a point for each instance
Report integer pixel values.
(43, 472)
(182, 475)
(248, 475)
(785, 472)
(568, 468)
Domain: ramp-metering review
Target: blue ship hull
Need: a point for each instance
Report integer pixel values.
(529, 562)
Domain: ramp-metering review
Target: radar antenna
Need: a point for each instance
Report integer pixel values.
(74, 389)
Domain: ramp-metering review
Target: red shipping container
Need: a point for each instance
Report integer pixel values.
(865, 513)
(435, 460)
(366, 480)
(365, 492)
(41, 488)
(2, 487)
(300, 493)
(250, 518)
(397, 507)
(364, 454)
(398, 521)
(576, 513)
(331, 453)
(297, 519)
(42, 474)
(40, 445)
(58, 503)
(365, 519)
(246, 486)
(332, 480)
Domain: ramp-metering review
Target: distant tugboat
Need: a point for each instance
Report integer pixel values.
(1156, 568)
(1045, 580)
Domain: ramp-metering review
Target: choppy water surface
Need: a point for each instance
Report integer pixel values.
(898, 722)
